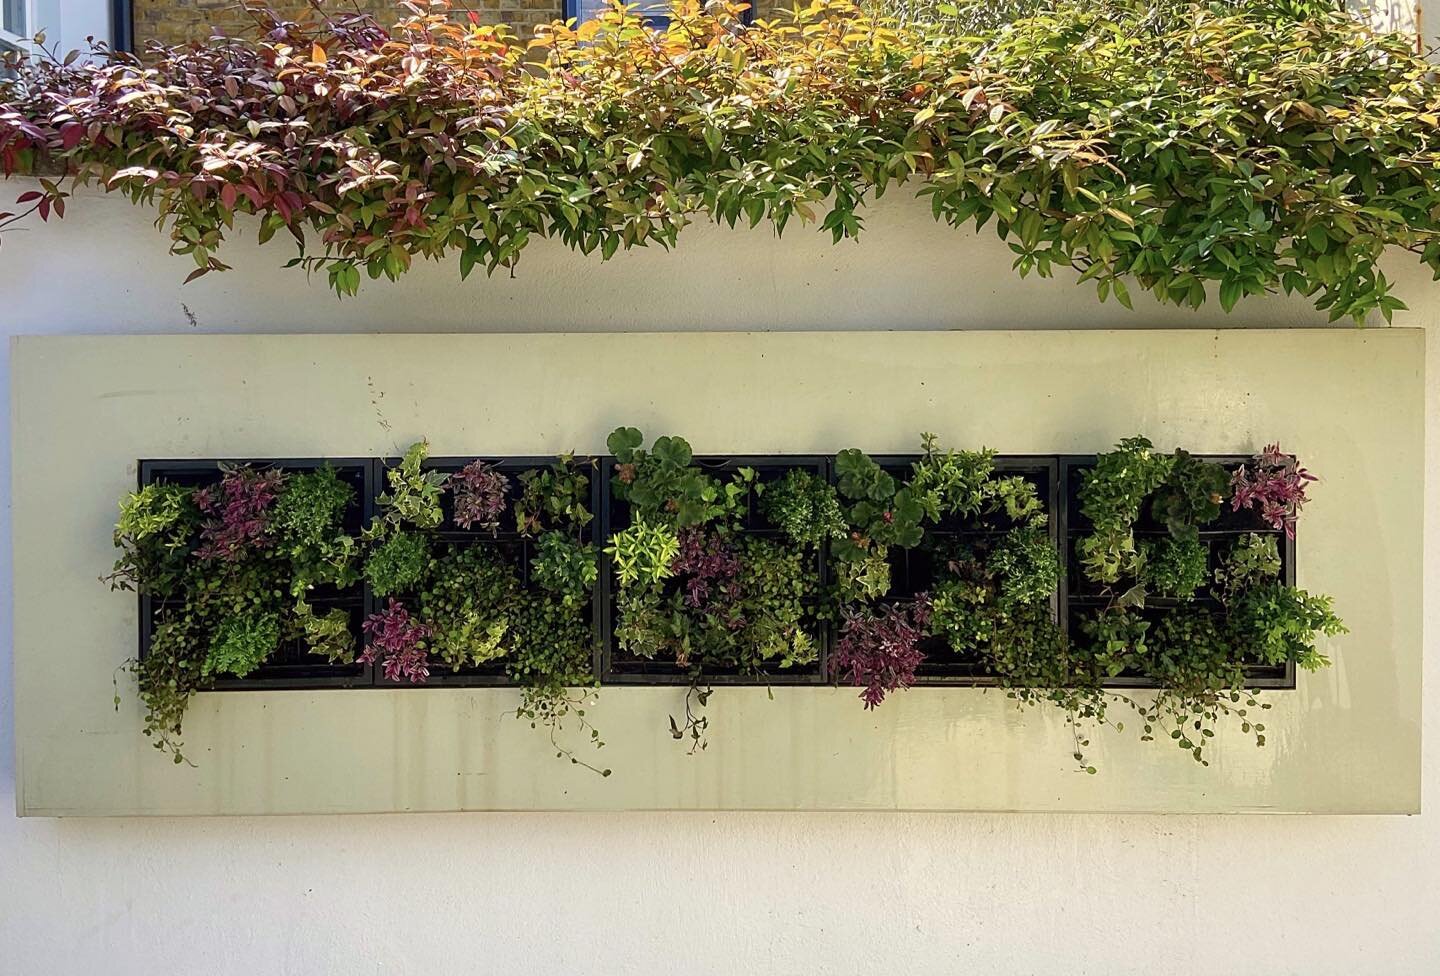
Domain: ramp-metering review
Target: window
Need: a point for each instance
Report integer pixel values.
(14, 20)
(656, 11)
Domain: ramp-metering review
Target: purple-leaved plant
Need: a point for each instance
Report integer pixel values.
(480, 493)
(239, 513)
(395, 638)
(1275, 483)
(709, 568)
(879, 650)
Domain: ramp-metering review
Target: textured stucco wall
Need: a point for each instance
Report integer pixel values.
(693, 893)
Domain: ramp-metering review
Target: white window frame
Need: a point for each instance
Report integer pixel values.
(21, 38)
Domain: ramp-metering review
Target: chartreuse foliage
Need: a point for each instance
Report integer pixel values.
(717, 570)
(1190, 150)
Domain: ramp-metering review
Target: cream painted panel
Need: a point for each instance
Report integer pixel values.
(85, 408)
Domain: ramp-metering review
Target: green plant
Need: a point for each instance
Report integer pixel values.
(1252, 560)
(985, 586)
(553, 497)
(861, 574)
(804, 508)
(1118, 639)
(1275, 624)
(154, 535)
(467, 605)
(308, 523)
(1191, 494)
(328, 635)
(413, 495)
(1026, 564)
(950, 482)
(241, 644)
(1174, 567)
(661, 483)
(642, 553)
(777, 584)
(398, 563)
(1111, 495)
(963, 484)
(565, 568)
(1202, 682)
(882, 512)
(1037, 667)
(167, 676)
(645, 625)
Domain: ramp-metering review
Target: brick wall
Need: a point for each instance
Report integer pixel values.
(177, 21)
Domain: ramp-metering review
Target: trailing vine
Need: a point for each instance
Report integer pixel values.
(1220, 150)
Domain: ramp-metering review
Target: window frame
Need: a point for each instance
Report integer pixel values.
(572, 12)
(19, 39)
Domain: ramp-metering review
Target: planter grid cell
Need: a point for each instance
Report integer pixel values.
(914, 571)
(1080, 597)
(622, 668)
(516, 549)
(292, 665)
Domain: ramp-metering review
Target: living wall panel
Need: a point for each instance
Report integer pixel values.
(1347, 401)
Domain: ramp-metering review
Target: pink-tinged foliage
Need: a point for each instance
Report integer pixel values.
(709, 568)
(239, 513)
(1275, 483)
(880, 650)
(480, 492)
(396, 639)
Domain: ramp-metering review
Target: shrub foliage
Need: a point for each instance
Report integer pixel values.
(1230, 149)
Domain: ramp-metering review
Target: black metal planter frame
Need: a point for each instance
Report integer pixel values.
(1074, 525)
(319, 674)
(1056, 477)
(615, 669)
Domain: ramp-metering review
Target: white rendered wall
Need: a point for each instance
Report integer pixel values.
(692, 893)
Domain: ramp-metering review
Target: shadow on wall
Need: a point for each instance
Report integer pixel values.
(906, 271)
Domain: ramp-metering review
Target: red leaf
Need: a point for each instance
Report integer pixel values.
(29, 195)
(195, 274)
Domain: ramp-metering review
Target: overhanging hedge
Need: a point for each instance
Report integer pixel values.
(1238, 150)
